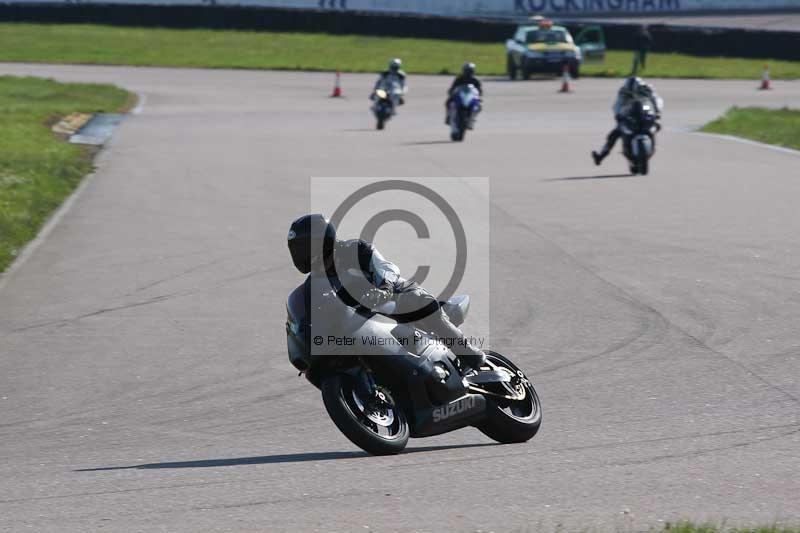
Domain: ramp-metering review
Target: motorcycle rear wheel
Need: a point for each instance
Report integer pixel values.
(378, 433)
(512, 421)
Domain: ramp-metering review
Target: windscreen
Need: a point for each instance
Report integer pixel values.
(546, 36)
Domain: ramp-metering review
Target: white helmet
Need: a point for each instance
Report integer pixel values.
(395, 64)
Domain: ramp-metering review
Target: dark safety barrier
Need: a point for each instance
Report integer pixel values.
(733, 42)
(690, 40)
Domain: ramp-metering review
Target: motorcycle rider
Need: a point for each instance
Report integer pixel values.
(391, 77)
(467, 77)
(313, 244)
(632, 90)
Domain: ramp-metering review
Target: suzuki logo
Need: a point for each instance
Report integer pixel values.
(446, 411)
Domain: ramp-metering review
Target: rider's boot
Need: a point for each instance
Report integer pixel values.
(599, 156)
(470, 355)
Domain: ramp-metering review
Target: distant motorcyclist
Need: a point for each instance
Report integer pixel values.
(313, 246)
(467, 77)
(634, 89)
(390, 78)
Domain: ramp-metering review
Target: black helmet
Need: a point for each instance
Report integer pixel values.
(633, 83)
(468, 69)
(308, 237)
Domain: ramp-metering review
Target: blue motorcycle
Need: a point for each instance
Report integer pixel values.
(463, 108)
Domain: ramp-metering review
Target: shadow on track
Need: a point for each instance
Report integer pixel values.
(279, 458)
(601, 177)
(421, 143)
(534, 78)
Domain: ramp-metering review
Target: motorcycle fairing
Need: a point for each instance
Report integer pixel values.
(432, 404)
(456, 308)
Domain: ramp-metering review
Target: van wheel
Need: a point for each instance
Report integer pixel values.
(511, 68)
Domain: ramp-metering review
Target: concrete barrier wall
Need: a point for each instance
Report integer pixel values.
(471, 8)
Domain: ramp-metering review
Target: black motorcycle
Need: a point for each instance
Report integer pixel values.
(639, 127)
(383, 382)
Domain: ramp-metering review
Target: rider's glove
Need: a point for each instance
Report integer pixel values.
(374, 298)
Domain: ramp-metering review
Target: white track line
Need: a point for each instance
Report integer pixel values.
(748, 141)
(141, 99)
(29, 249)
(47, 229)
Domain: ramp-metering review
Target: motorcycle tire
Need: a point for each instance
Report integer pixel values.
(338, 397)
(380, 125)
(505, 427)
(643, 161)
(461, 129)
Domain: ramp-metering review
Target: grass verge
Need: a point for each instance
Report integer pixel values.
(37, 170)
(88, 43)
(780, 127)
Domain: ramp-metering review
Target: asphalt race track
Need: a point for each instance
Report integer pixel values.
(144, 384)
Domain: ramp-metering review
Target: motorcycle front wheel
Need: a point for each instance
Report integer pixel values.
(373, 423)
(457, 133)
(509, 421)
(644, 163)
(644, 166)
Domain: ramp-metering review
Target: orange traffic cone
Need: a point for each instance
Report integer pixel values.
(337, 86)
(765, 81)
(565, 78)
